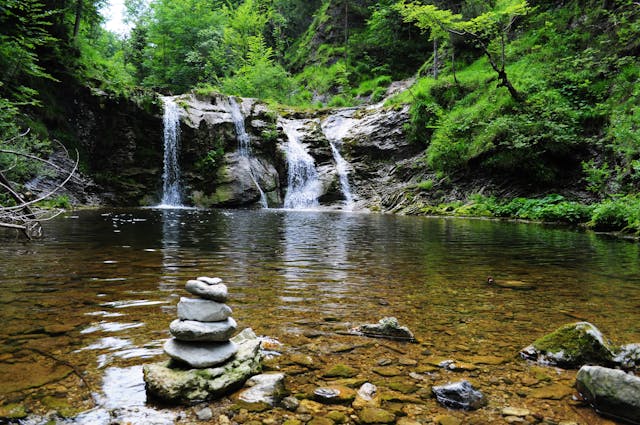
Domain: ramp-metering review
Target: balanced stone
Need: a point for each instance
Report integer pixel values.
(210, 280)
(202, 310)
(191, 330)
(215, 292)
(200, 354)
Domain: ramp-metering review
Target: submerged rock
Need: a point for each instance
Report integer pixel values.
(191, 330)
(571, 346)
(387, 327)
(459, 395)
(611, 392)
(176, 385)
(202, 354)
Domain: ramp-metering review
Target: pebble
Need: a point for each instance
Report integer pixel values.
(515, 411)
(205, 414)
(447, 420)
(290, 403)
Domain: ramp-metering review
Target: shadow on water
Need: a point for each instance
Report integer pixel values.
(96, 295)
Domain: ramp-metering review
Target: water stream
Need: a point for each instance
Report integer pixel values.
(335, 128)
(171, 190)
(303, 188)
(244, 147)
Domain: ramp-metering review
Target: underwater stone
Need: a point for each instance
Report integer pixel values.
(164, 381)
(571, 346)
(459, 395)
(612, 392)
(387, 327)
(200, 354)
(216, 292)
(191, 330)
(202, 310)
(210, 280)
(267, 388)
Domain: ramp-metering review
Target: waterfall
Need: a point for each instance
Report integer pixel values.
(171, 175)
(243, 145)
(304, 186)
(335, 128)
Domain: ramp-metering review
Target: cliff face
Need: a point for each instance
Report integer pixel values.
(216, 172)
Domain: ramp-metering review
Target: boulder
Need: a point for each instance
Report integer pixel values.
(265, 389)
(214, 292)
(459, 395)
(176, 385)
(628, 356)
(571, 346)
(387, 327)
(200, 354)
(191, 330)
(202, 310)
(611, 392)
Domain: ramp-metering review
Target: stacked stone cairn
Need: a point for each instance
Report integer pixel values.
(206, 362)
(204, 326)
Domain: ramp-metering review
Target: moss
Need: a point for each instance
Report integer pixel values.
(575, 344)
(340, 371)
(13, 411)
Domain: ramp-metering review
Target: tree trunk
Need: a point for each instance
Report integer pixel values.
(435, 59)
(29, 228)
(76, 24)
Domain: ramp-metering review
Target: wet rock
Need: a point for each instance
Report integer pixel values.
(309, 406)
(571, 346)
(511, 284)
(204, 414)
(387, 371)
(191, 330)
(340, 371)
(267, 388)
(375, 415)
(387, 327)
(515, 411)
(212, 292)
(290, 403)
(202, 310)
(13, 411)
(320, 420)
(403, 387)
(338, 417)
(551, 392)
(367, 391)
(611, 392)
(301, 360)
(628, 356)
(447, 420)
(334, 395)
(459, 395)
(201, 354)
(210, 280)
(166, 382)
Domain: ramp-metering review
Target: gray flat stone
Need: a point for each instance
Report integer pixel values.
(210, 280)
(204, 290)
(191, 330)
(202, 310)
(200, 355)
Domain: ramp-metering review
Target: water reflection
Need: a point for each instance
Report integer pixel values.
(100, 290)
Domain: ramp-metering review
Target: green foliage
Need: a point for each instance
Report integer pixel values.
(60, 201)
(212, 160)
(618, 213)
(596, 176)
(425, 185)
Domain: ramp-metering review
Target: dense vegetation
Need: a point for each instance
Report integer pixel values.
(538, 94)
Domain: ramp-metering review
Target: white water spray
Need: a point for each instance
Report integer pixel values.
(171, 175)
(335, 128)
(244, 148)
(303, 187)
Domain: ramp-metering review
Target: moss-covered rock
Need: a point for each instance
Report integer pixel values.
(340, 371)
(374, 415)
(571, 346)
(13, 411)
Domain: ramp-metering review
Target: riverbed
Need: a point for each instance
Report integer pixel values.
(86, 306)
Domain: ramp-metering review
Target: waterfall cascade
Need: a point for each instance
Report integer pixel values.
(335, 128)
(171, 196)
(304, 186)
(244, 148)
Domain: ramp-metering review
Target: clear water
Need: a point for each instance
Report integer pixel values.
(303, 185)
(171, 196)
(99, 291)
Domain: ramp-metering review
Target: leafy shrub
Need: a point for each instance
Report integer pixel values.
(621, 213)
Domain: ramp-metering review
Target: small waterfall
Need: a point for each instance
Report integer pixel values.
(243, 145)
(171, 175)
(303, 187)
(335, 128)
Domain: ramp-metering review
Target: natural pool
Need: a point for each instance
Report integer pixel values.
(84, 308)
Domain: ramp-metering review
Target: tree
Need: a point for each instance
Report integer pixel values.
(484, 31)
